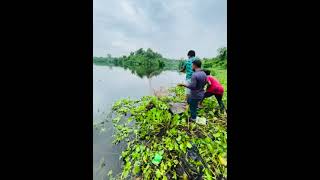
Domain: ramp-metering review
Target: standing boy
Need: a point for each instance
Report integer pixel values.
(196, 86)
(187, 68)
(214, 88)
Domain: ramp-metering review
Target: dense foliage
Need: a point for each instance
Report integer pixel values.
(187, 150)
(147, 63)
(141, 62)
(220, 61)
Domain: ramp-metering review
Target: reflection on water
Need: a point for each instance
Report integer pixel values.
(109, 85)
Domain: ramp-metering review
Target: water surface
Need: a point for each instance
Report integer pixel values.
(109, 85)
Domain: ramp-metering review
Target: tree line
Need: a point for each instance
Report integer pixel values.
(149, 63)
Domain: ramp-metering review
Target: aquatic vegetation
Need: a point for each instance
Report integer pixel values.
(162, 145)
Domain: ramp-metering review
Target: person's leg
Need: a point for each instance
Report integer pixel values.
(219, 99)
(193, 105)
(206, 95)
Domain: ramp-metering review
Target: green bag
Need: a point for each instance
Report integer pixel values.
(157, 159)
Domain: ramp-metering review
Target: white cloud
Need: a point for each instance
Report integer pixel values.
(169, 27)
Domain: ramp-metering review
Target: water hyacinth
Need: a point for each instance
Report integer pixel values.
(162, 145)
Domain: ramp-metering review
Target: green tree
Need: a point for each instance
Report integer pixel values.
(139, 51)
(222, 53)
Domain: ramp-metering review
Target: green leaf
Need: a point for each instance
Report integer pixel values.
(208, 140)
(173, 131)
(210, 148)
(136, 155)
(158, 173)
(125, 173)
(136, 169)
(169, 164)
(110, 173)
(116, 120)
(137, 148)
(161, 152)
(170, 147)
(222, 160)
(189, 145)
(176, 117)
(146, 169)
(216, 135)
(178, 138)
(208, 174)
(176, 147)
(181, 146)
(185, 176)
(128, 165)
(142, 147)
(176, 161)
(127, 159)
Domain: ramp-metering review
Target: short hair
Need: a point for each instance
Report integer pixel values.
(207, 72)
(197, 63)
(192, 53)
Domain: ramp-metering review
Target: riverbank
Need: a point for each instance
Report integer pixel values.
(161, 145)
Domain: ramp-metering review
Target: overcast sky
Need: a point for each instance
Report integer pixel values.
(170, 27)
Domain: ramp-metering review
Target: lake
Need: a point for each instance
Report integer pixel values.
(109, 85)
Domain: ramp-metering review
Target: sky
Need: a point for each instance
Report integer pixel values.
(170, 27)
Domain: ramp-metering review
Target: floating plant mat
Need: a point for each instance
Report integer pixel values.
(164, 145)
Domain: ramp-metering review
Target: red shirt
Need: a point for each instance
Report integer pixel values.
(216, 87)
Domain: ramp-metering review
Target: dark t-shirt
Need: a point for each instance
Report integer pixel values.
(198, 81)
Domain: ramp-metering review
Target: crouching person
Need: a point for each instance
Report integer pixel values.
(214, 88)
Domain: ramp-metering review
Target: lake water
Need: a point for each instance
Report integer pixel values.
(109, 85)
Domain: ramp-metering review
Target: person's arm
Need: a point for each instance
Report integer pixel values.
(208, 84)
(180, 84)
(193, 83)
(183, 68)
